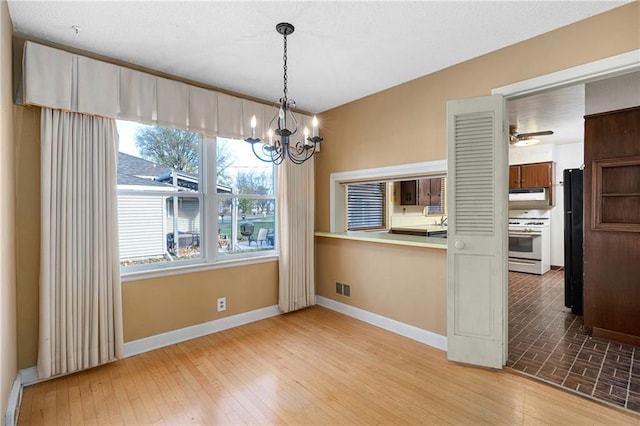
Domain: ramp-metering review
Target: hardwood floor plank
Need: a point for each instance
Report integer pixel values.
(63, 415)
(313, 366)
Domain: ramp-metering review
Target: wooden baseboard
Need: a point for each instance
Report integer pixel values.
(616, 336)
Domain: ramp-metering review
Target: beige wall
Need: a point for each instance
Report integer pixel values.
(406, 124)
(149, 306)
(163, 304)
(398, 282)
(8, 347)
(27, 142)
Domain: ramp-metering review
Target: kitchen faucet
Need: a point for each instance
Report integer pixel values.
(443, 220)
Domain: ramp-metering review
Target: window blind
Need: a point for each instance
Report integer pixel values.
(366, 206)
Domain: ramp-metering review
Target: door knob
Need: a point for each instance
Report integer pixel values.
(459, 245)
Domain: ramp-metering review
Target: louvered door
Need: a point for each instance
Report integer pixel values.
(477, 238)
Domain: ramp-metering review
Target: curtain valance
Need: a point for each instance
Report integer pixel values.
(57, 79)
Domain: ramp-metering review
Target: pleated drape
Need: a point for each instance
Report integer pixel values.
(80, 299)
(296, 240)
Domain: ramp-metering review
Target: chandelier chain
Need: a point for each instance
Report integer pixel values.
(284, 57)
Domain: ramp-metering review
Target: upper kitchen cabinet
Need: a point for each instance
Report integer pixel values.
(534, 175)
(514, 177)
(409, 192)
(422, 192)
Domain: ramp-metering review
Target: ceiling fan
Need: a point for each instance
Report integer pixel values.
(525, 139)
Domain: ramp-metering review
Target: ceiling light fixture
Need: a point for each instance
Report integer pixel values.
(275, 151)
(526, 142)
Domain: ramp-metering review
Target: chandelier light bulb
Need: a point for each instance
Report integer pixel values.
(253, 126)
(314, 123)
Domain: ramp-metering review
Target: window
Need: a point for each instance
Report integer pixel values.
(396, 214)
(166, 212)
(246, 199)
(366, 206)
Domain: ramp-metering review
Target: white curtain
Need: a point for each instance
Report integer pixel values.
(296, 240)
(80, 300)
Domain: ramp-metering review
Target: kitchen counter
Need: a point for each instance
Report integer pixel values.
(387, 238)
(419, 230)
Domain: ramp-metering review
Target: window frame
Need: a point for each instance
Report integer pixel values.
(210, 258)
(338, 181)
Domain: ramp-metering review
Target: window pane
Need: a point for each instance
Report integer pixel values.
(146, 226)
(240, 171)
(157, 226)
(246, 225)
(366, 206)
(157, 159)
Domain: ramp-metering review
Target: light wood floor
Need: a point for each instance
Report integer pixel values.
(309, 367)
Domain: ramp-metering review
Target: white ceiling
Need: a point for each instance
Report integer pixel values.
(561, 111)
(340, 51)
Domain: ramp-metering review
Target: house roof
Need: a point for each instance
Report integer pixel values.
(136, 171)
(130, 180)
(130, 165)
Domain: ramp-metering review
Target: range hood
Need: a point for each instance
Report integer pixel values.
(528, 194)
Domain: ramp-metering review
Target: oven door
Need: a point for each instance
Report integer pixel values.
(525, 245)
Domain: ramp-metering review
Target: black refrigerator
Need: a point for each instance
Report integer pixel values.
(573, 219)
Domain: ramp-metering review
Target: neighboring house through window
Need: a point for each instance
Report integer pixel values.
(162, 210)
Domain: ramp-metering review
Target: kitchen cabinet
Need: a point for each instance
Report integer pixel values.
(514, 177)
(534, 175)
(421, 192)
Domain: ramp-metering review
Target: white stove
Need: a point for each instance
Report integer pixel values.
(529, 241)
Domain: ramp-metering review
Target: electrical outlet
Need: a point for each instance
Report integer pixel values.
(222, 304)
(339, 288)
(346, 290)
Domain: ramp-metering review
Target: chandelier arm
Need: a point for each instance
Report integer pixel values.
(258, 156)
(293, 132)
(275, 151)
(301, 152)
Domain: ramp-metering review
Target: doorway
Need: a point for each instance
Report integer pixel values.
(546, 340)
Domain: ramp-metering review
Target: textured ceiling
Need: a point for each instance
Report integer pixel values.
(340, 51)
(561, 111)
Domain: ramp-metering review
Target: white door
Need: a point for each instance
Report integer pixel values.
(477, 207)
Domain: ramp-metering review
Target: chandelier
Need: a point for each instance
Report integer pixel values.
(277, 148)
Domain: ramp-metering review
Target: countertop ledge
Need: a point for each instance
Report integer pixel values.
(386, 238)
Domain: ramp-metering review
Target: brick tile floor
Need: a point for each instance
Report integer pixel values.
(550, 343)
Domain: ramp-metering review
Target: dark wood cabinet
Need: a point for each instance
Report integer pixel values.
(409, 193)
(533, 175)
(421, 192)
(537, 175)
(514, 177)
(435, 192)
(612, 225)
